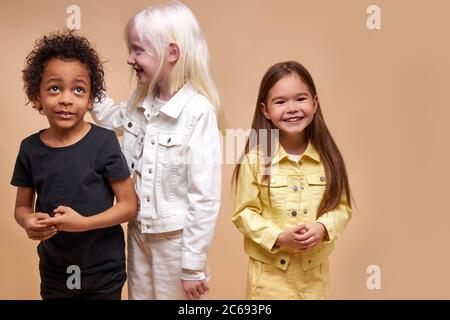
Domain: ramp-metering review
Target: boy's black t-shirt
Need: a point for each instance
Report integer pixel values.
(75, 176)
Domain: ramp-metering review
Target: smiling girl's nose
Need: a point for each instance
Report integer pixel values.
(291, 107)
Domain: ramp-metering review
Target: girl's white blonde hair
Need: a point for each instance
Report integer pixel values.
(173, 22)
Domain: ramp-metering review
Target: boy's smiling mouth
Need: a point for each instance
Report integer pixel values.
(65, 114)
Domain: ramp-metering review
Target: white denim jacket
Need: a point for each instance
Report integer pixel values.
(175, 155)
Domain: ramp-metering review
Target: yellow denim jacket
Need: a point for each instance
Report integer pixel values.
(296, 190)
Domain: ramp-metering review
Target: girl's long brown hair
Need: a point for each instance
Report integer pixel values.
(317, 133)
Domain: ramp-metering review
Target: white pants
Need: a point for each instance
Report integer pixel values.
(154, 265)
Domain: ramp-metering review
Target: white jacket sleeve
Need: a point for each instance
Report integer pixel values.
(108, 114)
(203, 192)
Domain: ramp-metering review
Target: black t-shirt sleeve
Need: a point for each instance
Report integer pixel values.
(22, 170)
(112, 159)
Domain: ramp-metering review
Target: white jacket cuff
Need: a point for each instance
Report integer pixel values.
(192, 261)
(192, 275)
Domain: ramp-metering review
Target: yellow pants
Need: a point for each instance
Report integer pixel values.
(265, 281)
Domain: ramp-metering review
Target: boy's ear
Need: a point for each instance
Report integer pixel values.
(173, 52)
(90, 104)
(264, 111)
(38, 106)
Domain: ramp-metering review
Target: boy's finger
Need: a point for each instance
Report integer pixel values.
(43, 237)
(43, 233)
(60, 209)
(55, 221)
(46, 229)
(45, 222)
(41, 215)
(41, 227)
(49, 236)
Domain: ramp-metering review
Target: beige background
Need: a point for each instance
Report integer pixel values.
(382, 93)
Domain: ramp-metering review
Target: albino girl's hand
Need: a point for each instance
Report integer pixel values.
(195, 288)
(67, 219)
(312, 234)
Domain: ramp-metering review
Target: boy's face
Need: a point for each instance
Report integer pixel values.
(65, 93)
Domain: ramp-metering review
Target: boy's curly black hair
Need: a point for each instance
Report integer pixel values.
(67, 46)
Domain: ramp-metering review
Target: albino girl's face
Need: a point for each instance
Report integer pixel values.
(290, 106)
(140, 57)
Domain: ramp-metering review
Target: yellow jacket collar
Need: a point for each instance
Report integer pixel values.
(310, 152)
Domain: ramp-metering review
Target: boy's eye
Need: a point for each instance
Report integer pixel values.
(53, 89)
(79, 90)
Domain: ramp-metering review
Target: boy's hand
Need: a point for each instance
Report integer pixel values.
(67, 219)
(195, 288)
(36, 230)
(311, 234)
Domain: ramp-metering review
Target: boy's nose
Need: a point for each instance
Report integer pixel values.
(65, 98)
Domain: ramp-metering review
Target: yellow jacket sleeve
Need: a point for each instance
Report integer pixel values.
(248, 214)
(335, 221)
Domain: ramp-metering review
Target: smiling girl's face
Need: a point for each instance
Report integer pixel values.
(291, 108)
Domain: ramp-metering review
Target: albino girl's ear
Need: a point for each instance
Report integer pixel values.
(265, 111)
(173, 52)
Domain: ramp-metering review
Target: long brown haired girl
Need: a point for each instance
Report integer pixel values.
(292, 191)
